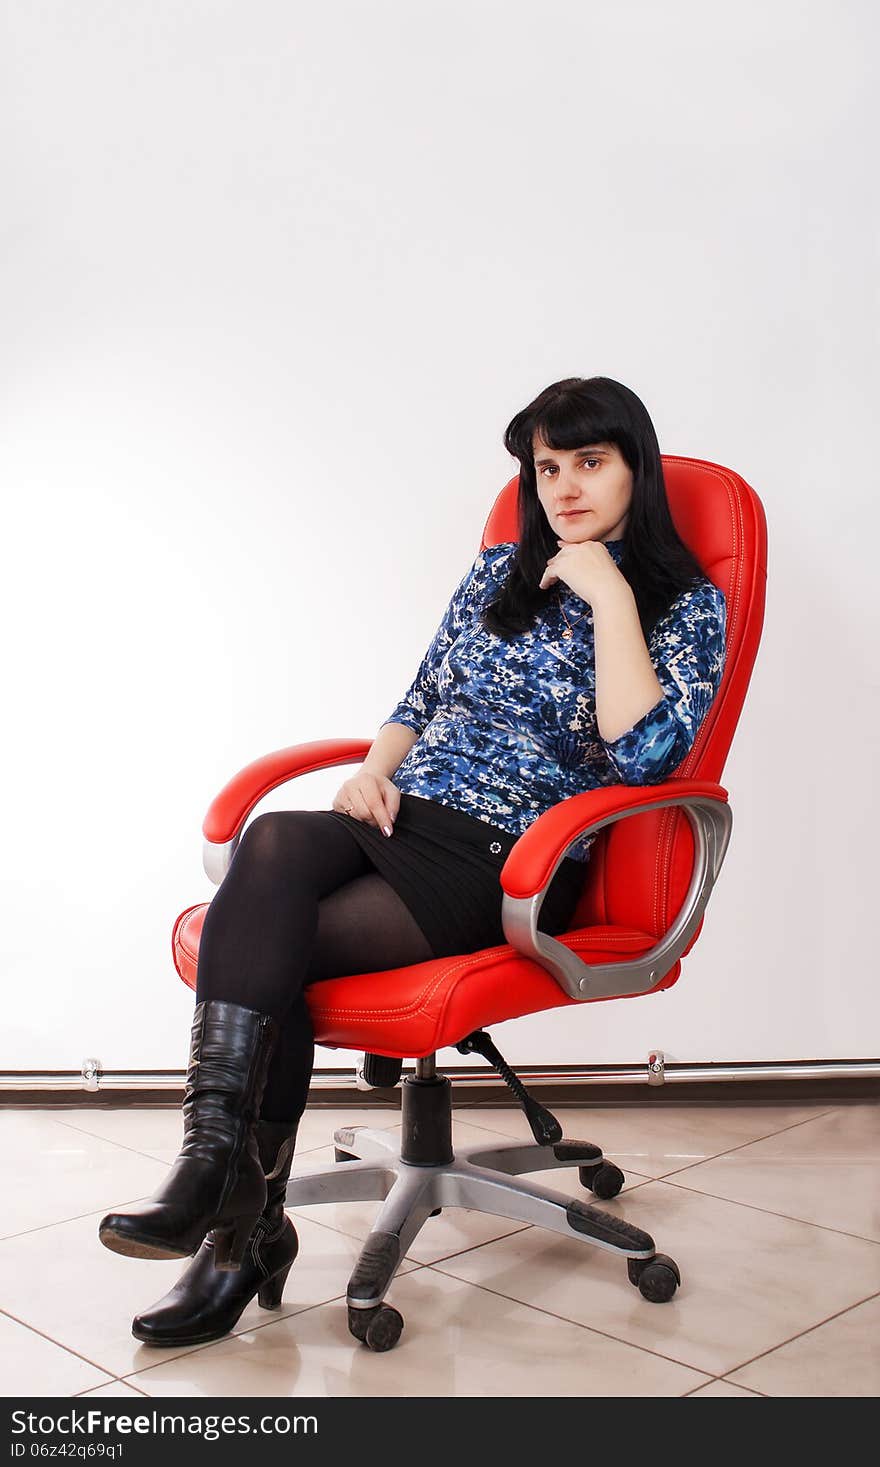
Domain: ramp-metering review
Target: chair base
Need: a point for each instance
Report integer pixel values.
(425, 1175)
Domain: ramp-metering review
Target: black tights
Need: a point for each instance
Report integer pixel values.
(301, 901)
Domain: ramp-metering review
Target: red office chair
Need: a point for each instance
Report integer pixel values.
(646, 886)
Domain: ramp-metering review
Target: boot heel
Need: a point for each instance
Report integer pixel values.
(271, 1289)
(230, 1241)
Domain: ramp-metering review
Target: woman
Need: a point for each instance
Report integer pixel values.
(585, 654)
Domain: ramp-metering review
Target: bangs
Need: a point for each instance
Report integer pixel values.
(576, 412)
(570, 422)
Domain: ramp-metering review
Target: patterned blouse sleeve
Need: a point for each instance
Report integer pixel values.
(420, 701)
(687, 647)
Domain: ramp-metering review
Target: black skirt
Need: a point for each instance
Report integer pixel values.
(446, 866)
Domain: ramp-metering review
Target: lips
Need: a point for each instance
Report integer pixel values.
(567, 514)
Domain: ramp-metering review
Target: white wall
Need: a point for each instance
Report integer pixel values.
(275, 276)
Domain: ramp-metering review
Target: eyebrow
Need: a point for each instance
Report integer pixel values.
(591, 447)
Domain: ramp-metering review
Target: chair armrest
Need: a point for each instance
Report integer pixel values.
(532, 862)
(229, 810)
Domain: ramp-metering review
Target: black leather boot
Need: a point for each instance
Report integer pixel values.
(206, 1304)
(217, 1180)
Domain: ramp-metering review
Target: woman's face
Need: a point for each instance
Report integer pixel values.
(594, 480)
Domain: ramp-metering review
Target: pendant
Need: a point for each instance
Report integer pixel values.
(567, 632)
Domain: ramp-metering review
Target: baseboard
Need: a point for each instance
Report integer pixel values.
(834, 1081)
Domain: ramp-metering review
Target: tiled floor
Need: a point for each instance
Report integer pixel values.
(772, 1213)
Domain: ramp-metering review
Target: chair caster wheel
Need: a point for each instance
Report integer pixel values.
(378, 1329)
(656, 1278)
(604, 1180)
(340, 1155)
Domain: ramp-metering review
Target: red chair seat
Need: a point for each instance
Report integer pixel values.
(411, 1012)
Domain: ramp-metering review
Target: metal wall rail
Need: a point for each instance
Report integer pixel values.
(655, 1071)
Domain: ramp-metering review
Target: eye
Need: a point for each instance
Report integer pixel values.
(551, 468)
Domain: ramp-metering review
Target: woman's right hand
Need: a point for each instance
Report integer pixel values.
(371, 798)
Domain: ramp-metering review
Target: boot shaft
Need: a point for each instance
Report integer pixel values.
(230, 1051)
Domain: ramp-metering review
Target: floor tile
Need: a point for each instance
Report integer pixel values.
(317, 1126)
(157, 1131)
(62, 1281)
(23, 1131)
(457, 1341)
(34, 1366)
(565, 1179)
(826, 1171)
(153, 1130)
(839, 1358)
(750, 1280)
(61, 1173)
(723, 1388)
(760, 1233)
(115, 1388)
(653, 1142)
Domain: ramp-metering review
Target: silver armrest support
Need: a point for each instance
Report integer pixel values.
(711, 822)
(217, 859)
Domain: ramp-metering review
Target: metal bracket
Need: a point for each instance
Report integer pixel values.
(91, 1072)
(656, 1067)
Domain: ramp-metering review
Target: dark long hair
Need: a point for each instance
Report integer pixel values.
(655, 561)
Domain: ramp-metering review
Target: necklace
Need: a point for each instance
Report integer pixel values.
(569, 625)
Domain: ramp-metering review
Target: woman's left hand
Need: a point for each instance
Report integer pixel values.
(588, 568)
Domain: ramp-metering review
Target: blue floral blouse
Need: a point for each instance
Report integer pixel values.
(508, 728)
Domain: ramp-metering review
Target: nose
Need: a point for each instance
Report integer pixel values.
(567, 493)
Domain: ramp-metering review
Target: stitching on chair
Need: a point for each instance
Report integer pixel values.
(576, 944)
(417, 1006)
(662, 862)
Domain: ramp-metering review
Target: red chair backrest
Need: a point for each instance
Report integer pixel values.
(639, 868)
